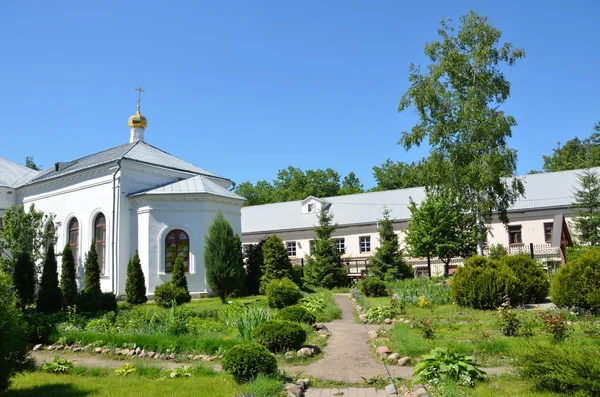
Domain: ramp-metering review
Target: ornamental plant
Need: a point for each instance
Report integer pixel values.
(135, 288)
(282, 293)
(509, 322)
(276, 262)
(556, 325)
(68, 277)
(49, 298)
(442, 365)
(278, 335)
(179, 280)
(91, 281)
(246, 361)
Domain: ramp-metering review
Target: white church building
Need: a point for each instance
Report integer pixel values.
(133, 196)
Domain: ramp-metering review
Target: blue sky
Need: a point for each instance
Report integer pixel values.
(246, 88)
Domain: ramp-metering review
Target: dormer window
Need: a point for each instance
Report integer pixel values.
(311, 207)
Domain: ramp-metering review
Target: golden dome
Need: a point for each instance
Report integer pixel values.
(137, 120)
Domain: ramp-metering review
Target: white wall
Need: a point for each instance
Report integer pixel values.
(7, 199)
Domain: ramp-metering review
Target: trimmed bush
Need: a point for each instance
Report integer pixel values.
(135, 288)
(68, 277)
(49, 298)
(13, 349)
(532, 280)
(165, 293)
(91, 277)
(246, 361)
(577, 284)
(179, 281)
(96, 301)
(282, 293)
(296, 313)
(276, 262)
(373, 286)
(483, 284)
(280, 335)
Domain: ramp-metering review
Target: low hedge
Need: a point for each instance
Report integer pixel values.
(246, 361)
(278, 335)
(373, 286)
(577, 284)
(296, 313)
(166, 293)
(532, 281)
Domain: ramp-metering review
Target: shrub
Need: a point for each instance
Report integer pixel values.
(91, 278)
(282, 293)
(377, 314)
(532, 280)
(223, 258)
(483, 284)
(296, 313)
(313, 304)
(280, 335)
(135, 288)
(179, 281)
(165, 293)
(254, 265)
(24, 278)
(497, 252)
(58, 365)
(96, 301)
(49, 298)
(564, 369)
(577, 283)
(555, 324)
(246, 361)
(425, 325)
(40, 327)
(13, 348)
(276, 262)
(373, 286)
(442, 365)
(68, 277)
(509, 322)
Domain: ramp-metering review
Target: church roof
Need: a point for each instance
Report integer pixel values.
(542, 191)
(138, 151)
(198, 184)
(13, 174)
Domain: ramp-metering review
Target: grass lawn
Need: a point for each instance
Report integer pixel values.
(502, 386)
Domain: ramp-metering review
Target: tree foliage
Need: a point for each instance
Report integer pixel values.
(29, 163)
(398, 175)
(387, 262)
(68, 276)
(440, 227)
(458, 103)
(24, 278)
(323, 267)
(587, 207)
(91, 278)
(179, 280)
(575, 154)
(49, 299)
(254, 265)
(135, 287)
(277, 264)
(13, 349)
(23, 231)
(294, 184)
(223, 258)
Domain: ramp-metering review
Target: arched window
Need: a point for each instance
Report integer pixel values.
(74, 237)
(50, 235)
(177, 243)
(100, 240)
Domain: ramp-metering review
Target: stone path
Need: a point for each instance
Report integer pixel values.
(351, 392)
(347, 355)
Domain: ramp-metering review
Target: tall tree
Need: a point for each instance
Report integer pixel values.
(254, 265)
(91, 278)
(29, 163)
(323, 267)
(387, 262)
(24, 278)
(49, 299)
(23, 231)
(351, 185)
(575, 154)
(587, 205)
(262, 192)
(68, 276)
(135, 287)
(223, 258)
(458, 103)
(440, 227)
(277, 264)
(397, 175)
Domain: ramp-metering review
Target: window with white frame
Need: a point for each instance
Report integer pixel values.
(548, 226)
(341, 245)
(291, 248)
(515, 236)
(365, 243)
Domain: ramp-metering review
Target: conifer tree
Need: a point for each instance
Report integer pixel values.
(387, 263)
(91, 281)
(277, 264)
(223, 258)
(323, 267)
(179, 280)
(24, 278)
(135, 288)
(49, 298)
(68, 276)
(587, 204)
(254, 265)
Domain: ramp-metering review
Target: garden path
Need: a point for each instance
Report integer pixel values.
(347, 355)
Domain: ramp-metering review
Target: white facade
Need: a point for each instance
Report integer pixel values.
(143, 194)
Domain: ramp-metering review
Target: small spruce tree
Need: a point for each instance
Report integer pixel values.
(49, 298)
(223, 258)
(254, 265)
(135, 288)
(91, 281)
(387, 263)
(68, 276)
(587, 204)
(323, 268)
(277, 264)
(24, 278)
(179, 280)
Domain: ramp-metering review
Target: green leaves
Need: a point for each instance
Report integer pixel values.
(446, 364)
